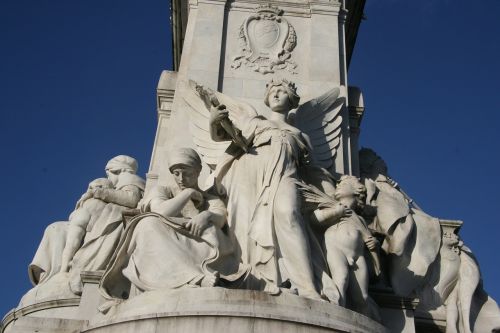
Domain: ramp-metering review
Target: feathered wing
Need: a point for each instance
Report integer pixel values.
(320, 118)
(199, 114)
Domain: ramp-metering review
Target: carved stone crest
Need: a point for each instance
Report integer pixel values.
(266, 40)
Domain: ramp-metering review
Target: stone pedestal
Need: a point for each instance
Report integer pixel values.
(189, 310)
(398, 313)
(222, 310)
(62, 315)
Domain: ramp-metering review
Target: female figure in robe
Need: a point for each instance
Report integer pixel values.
(181, 239)
(264, 210)
(66, 246)
(102, 238)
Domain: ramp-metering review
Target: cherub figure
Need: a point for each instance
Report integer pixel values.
(347, 240)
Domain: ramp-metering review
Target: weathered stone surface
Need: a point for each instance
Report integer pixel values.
(219, 309)
(253, 218)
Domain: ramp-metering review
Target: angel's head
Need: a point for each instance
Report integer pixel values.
(281, 95)
(370, 164)
(185, 166)
(350, 192)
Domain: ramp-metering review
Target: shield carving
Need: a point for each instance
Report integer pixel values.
(268, 41)
(266, 37)
(266, 33)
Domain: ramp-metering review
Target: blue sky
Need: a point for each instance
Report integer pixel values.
(78, 83)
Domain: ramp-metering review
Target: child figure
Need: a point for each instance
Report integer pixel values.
(347, 240)
(88, 209)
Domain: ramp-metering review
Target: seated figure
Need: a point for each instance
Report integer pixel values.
(90, 237)
(101, 240)
(347, 242)
(82, 220)
(180, 240)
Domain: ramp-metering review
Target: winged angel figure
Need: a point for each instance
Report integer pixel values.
(256, 164)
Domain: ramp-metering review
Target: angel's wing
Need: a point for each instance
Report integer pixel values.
(321, 120)
(199, 115)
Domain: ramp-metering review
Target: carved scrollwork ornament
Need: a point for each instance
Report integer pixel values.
(267, 41)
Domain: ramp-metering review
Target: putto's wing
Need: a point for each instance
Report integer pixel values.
(198, 100)
(321, 120)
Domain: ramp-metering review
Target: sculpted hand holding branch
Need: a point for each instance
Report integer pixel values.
(350, 249)
(264, 210)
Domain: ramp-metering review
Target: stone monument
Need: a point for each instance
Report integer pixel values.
(259, 212)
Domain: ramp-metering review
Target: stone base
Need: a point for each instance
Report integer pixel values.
(55, 315)
(204, 310)
(221, 310)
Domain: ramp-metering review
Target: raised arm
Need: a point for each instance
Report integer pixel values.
(327, 217)
(218, 115)
(127, 196)
(173, 206)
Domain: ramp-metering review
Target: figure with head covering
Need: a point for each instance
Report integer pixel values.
(81, 221)
(102, 239)
(89, 239)
(180, 240)
(127, 187)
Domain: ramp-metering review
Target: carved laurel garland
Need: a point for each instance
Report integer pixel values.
(266, 40)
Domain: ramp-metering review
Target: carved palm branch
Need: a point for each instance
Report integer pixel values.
(314, 196)
(321, 119)
(198, 100)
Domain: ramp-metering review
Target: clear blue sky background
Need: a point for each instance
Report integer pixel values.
(77, 86)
